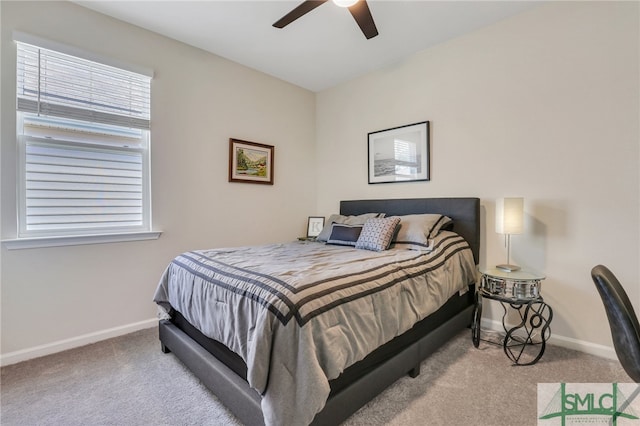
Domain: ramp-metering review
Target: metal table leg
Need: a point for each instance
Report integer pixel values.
(525, 343)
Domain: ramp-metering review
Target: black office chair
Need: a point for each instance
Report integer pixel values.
(623, 322)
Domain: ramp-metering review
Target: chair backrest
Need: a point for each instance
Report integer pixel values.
(625, 329)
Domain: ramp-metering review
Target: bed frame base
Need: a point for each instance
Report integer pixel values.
(244, 402)
(230, 388)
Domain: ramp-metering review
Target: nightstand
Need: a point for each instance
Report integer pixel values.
(518, 291)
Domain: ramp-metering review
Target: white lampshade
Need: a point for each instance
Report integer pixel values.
(510, 216)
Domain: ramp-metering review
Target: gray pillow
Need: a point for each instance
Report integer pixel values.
(347, 220)
(416, 230)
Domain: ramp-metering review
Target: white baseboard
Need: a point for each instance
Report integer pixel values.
(565, 342)
(62, 345)
(74, 342)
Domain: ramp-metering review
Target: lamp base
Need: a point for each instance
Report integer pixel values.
(508, 268)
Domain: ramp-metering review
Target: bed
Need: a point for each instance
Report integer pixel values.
(303, 371)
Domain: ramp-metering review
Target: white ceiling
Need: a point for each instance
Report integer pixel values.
(319, 50)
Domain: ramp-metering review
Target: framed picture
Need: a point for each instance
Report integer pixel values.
(314, 226)
(400, 154)
(250, 162)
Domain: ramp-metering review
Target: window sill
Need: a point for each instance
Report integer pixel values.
(38, 242)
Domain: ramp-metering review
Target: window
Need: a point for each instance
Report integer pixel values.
(406, 155)
(83, 145)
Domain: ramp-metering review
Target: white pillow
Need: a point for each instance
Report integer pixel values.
(377, 233)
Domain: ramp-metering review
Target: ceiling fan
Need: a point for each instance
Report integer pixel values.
(358, 8)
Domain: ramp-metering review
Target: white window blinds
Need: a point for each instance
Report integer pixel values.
(55, 84)
(70, 187)
(83, 137)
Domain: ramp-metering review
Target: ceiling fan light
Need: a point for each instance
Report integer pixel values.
(345, 3)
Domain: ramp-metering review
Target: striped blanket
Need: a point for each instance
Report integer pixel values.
(300, 313)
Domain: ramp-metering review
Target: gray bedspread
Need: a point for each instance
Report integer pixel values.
(300, 313)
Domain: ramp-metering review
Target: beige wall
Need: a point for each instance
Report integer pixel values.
(543, 106)
(199, 101)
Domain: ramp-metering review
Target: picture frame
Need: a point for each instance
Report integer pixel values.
(399, 154)
(250, 162)
(314, 226)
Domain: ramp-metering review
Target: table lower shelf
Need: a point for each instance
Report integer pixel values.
(525, 343)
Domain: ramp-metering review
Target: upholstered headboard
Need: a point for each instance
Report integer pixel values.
(465, 213)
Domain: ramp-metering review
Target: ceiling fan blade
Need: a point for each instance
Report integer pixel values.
(302, 9)
(362, 15)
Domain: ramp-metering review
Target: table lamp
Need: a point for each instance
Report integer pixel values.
(509, 220)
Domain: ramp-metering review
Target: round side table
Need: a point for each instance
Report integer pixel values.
(524, 343)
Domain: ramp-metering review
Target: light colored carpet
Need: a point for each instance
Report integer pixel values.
(128, 381)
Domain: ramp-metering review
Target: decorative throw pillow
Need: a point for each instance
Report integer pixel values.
(417, 230)
(377, 233)
(347, 220)
(344, 235)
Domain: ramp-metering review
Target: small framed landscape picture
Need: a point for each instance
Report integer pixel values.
(250, 162)
(314, 226)
(400, 154)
